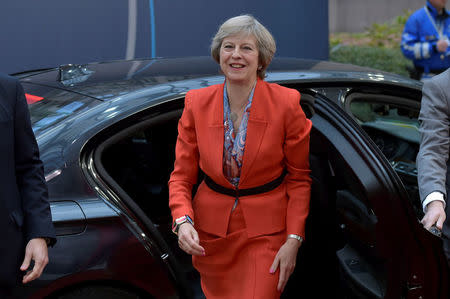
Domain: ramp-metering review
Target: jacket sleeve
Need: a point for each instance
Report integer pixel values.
(185, 173)
(412, 45)
(296, 151)
(434, 146)
(30, 174)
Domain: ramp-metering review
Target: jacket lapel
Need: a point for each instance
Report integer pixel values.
(215, 139)
(256, 128)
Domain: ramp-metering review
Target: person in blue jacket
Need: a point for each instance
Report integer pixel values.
(425, 39)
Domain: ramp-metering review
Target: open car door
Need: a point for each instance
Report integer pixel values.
(362, 220)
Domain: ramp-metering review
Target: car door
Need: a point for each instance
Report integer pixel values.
(390, 119)
(134, 158)
(381, 250)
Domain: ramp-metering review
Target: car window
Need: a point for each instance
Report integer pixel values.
(49, 106)
(392, 123)
(389, 118)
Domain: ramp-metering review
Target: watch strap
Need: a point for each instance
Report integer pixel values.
(179, 221)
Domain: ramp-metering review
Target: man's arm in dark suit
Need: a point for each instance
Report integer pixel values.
(33, 190)
(30, 173)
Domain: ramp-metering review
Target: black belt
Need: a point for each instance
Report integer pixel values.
(236, 193)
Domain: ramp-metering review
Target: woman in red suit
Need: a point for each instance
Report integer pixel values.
(251, 139)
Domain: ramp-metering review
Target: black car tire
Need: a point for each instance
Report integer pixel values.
(96, 292)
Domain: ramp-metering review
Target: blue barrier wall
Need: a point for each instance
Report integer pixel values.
(48, 33)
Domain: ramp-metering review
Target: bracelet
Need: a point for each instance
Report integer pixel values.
(179, 221)
(296, 237)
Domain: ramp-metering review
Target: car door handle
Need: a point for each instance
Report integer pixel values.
(68, 217)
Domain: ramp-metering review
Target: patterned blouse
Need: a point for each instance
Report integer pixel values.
(234, 144)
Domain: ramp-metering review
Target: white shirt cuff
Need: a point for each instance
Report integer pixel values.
(436, 195)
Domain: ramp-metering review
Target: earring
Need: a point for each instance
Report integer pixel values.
(259, 67)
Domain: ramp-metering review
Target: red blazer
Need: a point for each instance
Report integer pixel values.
(277, 139)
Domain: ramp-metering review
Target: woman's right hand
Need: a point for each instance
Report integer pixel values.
(188, 240)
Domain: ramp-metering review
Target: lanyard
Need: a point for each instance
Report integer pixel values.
(439, 29)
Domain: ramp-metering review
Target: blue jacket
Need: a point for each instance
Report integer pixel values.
(420, 36)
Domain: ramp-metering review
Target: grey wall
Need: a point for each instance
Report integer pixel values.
(47, 33)
(357, 15)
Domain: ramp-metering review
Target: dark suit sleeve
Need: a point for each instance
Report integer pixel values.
(30, 174)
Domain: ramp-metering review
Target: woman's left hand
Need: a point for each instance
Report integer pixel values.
(285, 259)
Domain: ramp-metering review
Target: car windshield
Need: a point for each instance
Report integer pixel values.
(49, 106)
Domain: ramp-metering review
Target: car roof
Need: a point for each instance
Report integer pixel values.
(107, 80)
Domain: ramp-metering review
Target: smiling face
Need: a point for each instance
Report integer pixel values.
(239, 59)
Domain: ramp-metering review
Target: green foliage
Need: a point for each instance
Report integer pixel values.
(378, 47)
(388, 34)
(334, 41)
(385, 59)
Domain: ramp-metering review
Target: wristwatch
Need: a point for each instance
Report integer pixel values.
(179, 221)
(297, 237)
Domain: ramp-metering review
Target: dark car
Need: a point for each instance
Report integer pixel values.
(107, 135)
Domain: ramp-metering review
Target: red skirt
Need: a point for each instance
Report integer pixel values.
(237, 267)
